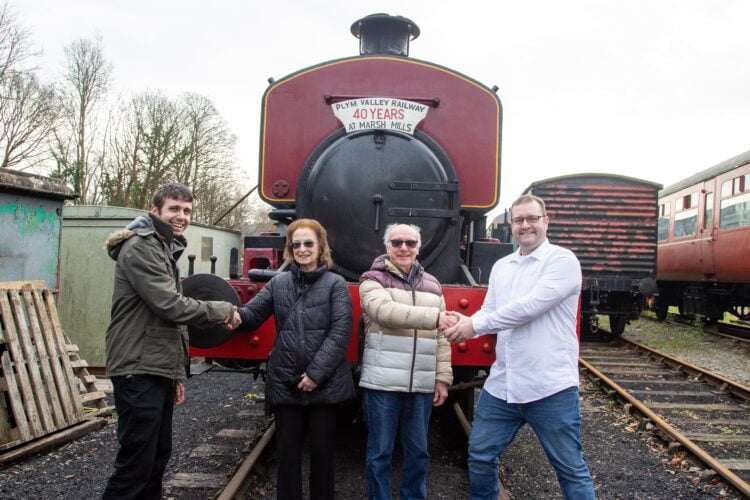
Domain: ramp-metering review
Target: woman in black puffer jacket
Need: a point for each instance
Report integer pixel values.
(307, 373)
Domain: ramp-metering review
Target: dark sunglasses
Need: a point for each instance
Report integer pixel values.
(409, 243)
(295, 245)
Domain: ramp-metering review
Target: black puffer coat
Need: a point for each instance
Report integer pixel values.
(313, 313)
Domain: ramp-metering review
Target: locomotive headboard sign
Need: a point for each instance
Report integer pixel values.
(379, 113)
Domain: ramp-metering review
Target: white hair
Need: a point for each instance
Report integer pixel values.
(391, 227)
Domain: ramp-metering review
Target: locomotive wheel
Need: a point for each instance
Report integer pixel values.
(662, 310)
(617, 324)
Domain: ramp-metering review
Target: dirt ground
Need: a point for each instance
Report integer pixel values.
(624, 463)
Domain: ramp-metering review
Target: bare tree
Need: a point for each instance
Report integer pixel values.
(27, 116)
(256, 219)
(15, 42)
(149, 148)
(26, 107)
(156, 140)
(209, 162)
(85, 84)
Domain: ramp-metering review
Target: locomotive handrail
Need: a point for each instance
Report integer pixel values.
(433, 102)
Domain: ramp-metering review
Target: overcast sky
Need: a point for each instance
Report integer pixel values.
(646, 88)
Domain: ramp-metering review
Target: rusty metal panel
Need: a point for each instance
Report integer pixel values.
(30, 225)
(30, 241)
(608, 221)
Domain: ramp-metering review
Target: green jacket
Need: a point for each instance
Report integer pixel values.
(147, 333)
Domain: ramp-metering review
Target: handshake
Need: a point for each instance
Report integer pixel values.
(455, 326)
(232, 321)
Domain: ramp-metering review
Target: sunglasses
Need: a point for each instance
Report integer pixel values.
(409, 243)
(531, 219)
(295, 245)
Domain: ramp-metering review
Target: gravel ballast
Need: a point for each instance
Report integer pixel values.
(624, 463)
(720, 354)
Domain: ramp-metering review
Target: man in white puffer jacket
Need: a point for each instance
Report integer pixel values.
(406, 366)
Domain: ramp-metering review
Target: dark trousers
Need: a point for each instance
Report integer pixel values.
(144, 406)
(291, 421)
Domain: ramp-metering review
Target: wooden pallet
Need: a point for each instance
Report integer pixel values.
(39, 389)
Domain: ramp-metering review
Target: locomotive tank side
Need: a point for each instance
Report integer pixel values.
(704, 241)
(609, 222)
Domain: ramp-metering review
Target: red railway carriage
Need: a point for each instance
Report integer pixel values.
(704, 242)
(609, 222)
(362, 142)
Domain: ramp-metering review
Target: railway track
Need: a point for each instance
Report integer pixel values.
(700, 412)
(248, 483)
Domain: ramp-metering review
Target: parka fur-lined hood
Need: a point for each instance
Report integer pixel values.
(145, 226)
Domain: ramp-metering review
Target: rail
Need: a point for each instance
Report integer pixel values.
(234, 487)
(673, 433)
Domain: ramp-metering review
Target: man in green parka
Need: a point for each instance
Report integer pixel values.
(147, 341)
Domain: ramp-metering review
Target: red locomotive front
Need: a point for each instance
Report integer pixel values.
(362, 142)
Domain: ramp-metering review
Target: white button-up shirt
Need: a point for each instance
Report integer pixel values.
(532, 305)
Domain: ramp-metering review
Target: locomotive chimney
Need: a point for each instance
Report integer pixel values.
(384, 34)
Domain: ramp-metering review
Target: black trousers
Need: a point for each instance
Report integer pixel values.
(144, 406)
(291, 423)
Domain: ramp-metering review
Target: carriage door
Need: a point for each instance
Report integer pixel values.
(708, 230)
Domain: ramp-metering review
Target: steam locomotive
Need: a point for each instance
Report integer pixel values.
(362, 142)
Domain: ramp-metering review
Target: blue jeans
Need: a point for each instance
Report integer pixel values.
(556, 421)
(386, 413)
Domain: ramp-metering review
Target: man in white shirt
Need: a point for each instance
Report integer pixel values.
(531, 305)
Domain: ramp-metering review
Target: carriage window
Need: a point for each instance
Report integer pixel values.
(685, 222)
(738, 182)
(708, 211)
(746, 184)
(662, 231)
(726, 189)
(735, 212)
(688, 201)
